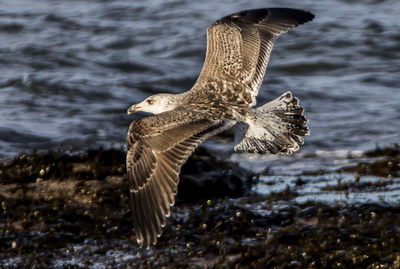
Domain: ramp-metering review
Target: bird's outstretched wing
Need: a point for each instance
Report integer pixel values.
(238, 50)
(157, 148)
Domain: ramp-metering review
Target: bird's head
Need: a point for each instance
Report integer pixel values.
(156, 104)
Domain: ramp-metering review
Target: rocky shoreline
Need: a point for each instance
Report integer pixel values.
(72, 210)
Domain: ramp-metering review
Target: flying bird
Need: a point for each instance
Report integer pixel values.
(224, 95)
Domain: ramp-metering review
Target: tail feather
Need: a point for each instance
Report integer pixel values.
(277, 127)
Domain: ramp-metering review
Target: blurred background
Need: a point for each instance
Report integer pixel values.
(70, 69)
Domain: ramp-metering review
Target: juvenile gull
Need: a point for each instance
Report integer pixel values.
(238, 49)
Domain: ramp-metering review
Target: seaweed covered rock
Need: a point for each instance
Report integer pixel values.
(92, 164)
(383, 162)
(52, 201)
(80, 218)
(204, 177)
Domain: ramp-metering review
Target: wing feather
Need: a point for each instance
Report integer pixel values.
(238, 50)
(157, 148)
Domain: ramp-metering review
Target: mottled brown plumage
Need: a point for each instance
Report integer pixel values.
(157, 148)
(238, 49)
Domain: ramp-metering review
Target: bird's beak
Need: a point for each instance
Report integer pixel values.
(133, 109)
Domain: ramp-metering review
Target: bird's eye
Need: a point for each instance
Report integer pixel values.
(150, 101)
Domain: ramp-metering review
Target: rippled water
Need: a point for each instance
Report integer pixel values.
(69, 70)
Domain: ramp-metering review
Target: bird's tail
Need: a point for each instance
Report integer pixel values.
(277, 127)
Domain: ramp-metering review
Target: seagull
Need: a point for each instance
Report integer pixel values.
(224, 95)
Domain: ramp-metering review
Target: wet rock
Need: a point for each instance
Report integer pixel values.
(385, 162)
(93, 164)
(204, 177)
(390, 151)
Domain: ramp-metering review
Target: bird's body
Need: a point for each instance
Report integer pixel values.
(238, 49)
